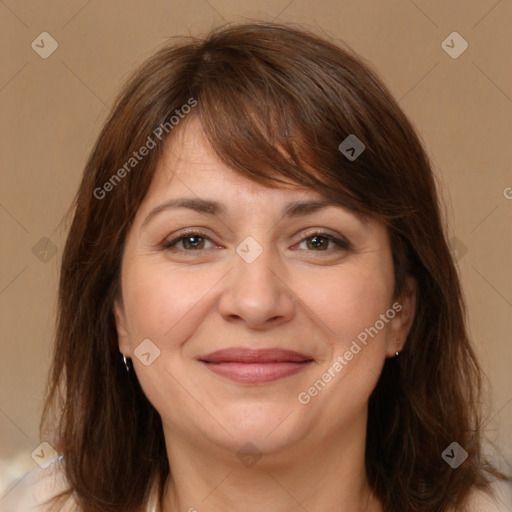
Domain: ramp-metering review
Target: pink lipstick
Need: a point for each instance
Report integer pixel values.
(255, 366)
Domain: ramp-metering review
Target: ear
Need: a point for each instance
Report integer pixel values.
(400, 325)
(121, 327)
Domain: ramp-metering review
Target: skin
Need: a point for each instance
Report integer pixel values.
(295, 296)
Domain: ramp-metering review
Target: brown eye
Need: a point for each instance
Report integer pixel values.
(320, 242)
(193, 241)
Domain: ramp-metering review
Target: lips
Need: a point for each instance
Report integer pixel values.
(255, 366)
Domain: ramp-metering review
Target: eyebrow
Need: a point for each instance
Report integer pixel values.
(209, 207)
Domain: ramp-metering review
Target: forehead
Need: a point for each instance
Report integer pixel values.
(190, 176)
(189, 164)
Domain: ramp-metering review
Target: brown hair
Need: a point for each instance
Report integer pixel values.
(275, 101)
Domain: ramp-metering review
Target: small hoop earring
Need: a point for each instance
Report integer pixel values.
(126, 364)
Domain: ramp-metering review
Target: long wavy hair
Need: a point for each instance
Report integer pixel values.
(275, 102)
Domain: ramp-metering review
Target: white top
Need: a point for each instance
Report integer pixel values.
(29, 493)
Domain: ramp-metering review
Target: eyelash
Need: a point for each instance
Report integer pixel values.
(168, 244)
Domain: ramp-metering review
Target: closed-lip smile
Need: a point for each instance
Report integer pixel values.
(255, 366)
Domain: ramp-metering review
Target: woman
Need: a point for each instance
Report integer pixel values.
(258, 306)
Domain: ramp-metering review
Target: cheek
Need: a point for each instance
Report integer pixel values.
(351, 307)
(160, 303)
(165, 306)
(349, 300)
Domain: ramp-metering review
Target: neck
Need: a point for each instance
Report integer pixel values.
(329, 476)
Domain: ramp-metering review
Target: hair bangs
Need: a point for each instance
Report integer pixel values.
(259, 128)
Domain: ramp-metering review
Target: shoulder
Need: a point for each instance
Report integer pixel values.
(31, 492)
(499, 499)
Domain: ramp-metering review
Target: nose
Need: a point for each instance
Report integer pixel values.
(256, 294)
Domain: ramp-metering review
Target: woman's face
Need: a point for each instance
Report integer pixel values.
(298, 298)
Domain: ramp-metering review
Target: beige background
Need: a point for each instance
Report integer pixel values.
(52, 110)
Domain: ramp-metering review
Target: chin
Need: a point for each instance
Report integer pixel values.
(269, 427)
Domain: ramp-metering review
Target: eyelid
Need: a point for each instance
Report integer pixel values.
(335, 237)
(338, 239)
(169, 241)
